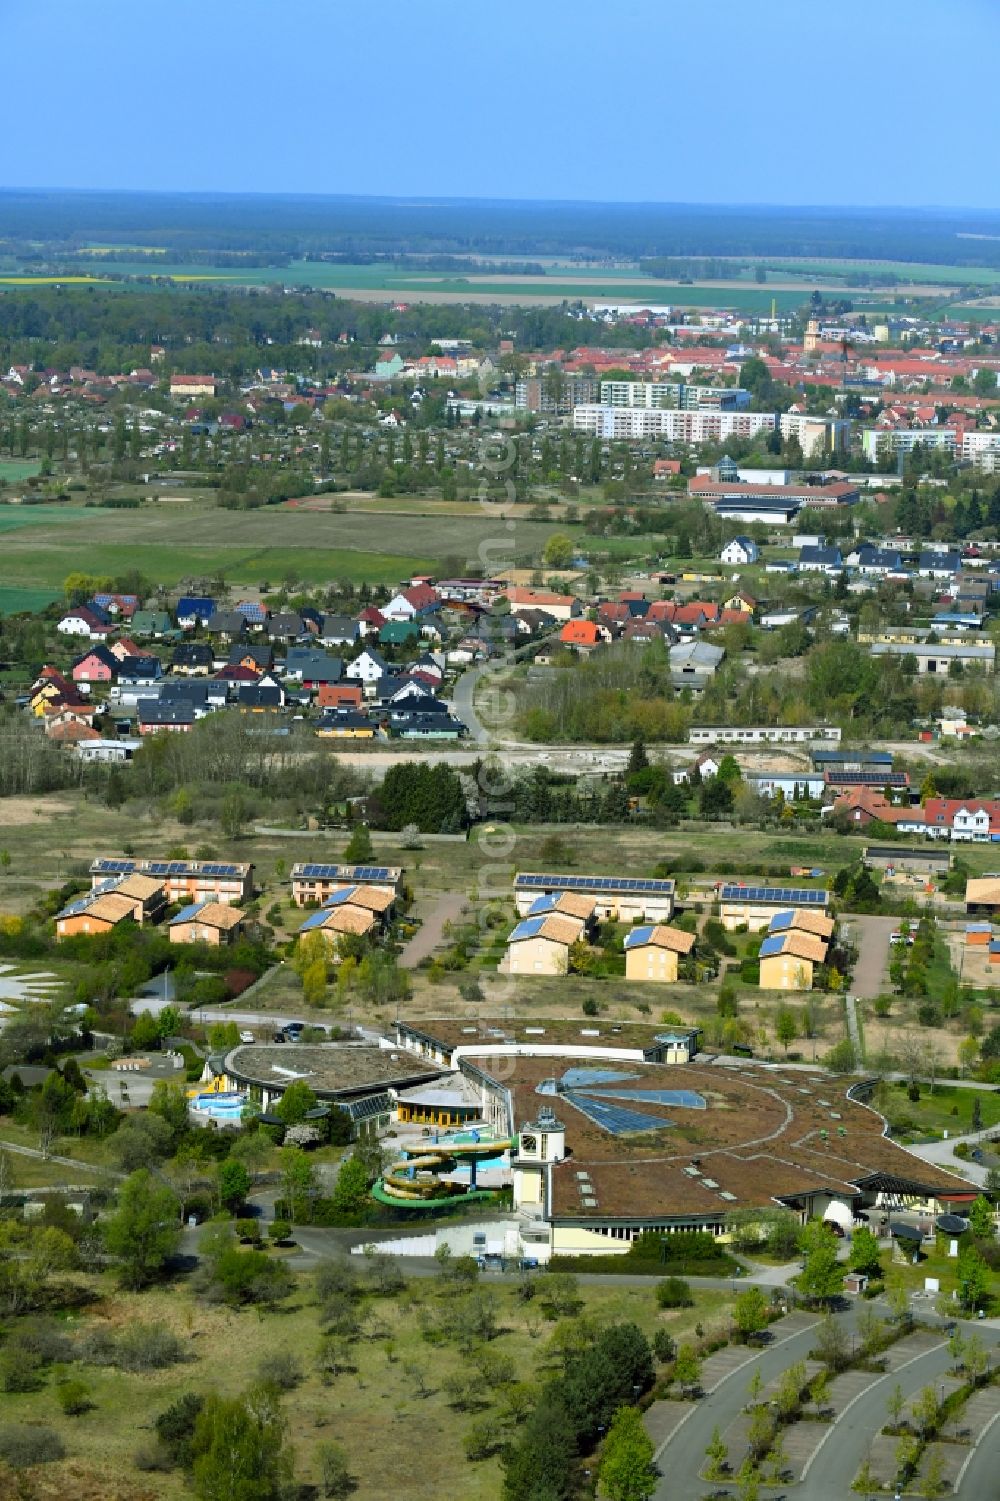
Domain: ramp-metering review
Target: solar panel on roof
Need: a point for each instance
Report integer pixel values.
(686, 1099)
(869, 778)
(315, 920)
(615, 1118)
(526, 929)
(785, 895)
(584, 1078)
(595, 883)
(80, 905)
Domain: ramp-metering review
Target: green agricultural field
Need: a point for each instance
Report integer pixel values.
(14, 517)
(975, 312)
(15, 601)
(558, 283)
(918, 272)
(246, 548)
(16, 471)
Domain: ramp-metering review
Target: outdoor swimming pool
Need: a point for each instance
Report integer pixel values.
(221, 1107)
(484, 1165)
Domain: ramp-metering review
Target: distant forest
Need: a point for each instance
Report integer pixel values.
(286, 226)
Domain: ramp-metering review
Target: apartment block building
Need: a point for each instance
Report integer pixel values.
(877, 441)
(673, 395)
(676, 426)
(556, 395)
(817, 436)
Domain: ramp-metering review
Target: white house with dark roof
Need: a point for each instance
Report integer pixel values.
(740, 551)
(366, 668)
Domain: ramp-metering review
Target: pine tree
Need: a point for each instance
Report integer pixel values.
(638, 759)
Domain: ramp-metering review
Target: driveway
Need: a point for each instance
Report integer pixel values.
(871, 934)
(448, 908)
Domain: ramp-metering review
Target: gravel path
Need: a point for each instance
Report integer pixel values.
(448, 908)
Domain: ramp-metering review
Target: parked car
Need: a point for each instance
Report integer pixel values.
(246, 1036)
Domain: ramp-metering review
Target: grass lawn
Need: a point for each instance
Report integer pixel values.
(933, 1262)
(282, 991)
(90, 1154)
(401, 1433)
(946, 1108)
(939, 971)
(33, 1172)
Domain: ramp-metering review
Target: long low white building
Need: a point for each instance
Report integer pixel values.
(766, 734)
(621, 898)
(938, 659)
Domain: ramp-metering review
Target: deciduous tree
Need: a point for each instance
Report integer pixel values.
(627, 1472)
(144, 1230)
(239, 1448)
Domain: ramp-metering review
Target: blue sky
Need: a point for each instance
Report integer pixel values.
(716, 101)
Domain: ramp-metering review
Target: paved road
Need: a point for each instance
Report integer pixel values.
(872, 938)
(843, 1448)
(943, 1154)
(978, 1479)
(448, 908)
(684, 1453)
(463, 699)
(266, 1020)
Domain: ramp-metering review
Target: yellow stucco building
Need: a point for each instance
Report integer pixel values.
(652, 953)
(541, 945)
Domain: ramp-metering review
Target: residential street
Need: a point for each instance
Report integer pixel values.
(463, 700)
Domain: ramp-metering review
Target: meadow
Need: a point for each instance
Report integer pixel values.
(394, 1408)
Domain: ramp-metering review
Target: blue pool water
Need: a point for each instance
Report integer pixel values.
(223, 1107)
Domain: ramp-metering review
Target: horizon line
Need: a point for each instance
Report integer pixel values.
(404, 200)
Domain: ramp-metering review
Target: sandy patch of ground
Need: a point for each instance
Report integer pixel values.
(36, 986)
(15, 812)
